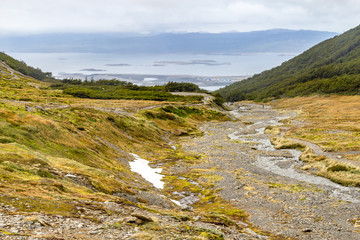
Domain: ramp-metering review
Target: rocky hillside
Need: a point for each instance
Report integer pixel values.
(329, 67)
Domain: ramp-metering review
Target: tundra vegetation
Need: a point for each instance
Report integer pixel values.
(65, 145)
(331, 67)
(64, 156)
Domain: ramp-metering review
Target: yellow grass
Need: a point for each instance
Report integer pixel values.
(333, 123)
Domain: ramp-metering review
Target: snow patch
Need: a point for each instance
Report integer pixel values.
(151, 175)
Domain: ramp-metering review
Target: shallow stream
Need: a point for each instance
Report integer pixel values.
(286, 162)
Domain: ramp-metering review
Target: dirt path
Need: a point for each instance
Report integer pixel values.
(10, 70)
(268, 183)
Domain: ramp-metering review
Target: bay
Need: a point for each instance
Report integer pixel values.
(164, 64)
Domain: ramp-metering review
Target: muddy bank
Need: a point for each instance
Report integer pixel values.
(268, 183)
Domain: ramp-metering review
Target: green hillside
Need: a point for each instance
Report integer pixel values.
(23, 68)
(331, 67)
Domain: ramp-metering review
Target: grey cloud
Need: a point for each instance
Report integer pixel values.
(118, 65)
(92, 70)
(39, 16)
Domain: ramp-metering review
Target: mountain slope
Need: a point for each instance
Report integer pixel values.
(332, 66)
(46, 134)
(277, 40)
(23, 68)
(66, 160)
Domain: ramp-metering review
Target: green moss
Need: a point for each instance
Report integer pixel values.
(6, 140)
(32, 204)
(211, 234)
(338, 168)
(45, 174)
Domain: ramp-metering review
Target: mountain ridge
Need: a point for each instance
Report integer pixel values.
(331, 66)
(275, 40)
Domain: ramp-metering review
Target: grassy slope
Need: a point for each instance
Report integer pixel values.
(57, 150)
(329, 67)
(45, 137)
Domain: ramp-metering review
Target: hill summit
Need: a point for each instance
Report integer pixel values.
(333, 66)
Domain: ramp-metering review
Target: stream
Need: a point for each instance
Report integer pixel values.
(284, 165)
(268, 183)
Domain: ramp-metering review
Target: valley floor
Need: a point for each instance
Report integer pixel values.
(234, 181)
(268, 183)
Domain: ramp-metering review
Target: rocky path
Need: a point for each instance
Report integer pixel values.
(10, 70)
(268, 183)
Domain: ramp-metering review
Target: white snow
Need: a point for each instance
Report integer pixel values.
(151, 175)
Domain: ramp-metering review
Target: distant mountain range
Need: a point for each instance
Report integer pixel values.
(332, 66)
(277, 40)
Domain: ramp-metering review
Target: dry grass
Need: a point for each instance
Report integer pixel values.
(76, 149)
(88, 140)
(283, 143)
(272, 130)
(333, 123)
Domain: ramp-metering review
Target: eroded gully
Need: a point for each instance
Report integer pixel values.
(268, 184)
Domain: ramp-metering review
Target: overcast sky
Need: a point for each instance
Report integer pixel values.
(148, 16)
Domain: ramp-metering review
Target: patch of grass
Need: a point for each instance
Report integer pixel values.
(338, 168)
(211, 234)
(6, 140)
(283, 143)
(338, 116)
(308, 155)
(40, 205)
(272, 130)
(332, 122)
(119, 92)
(45, 174)
(346, 175)
(289, 187)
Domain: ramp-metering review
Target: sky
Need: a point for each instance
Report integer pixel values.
(153, 16)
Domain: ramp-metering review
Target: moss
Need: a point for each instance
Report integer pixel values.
(219, 219)
(290, 187)
(45, 174)
(211, 234)
(6, 140)
(338, 168)
(32, 204)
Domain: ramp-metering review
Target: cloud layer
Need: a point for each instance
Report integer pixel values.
(146, 16)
